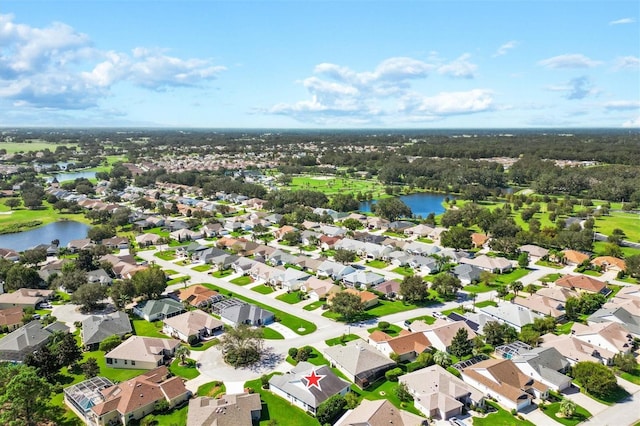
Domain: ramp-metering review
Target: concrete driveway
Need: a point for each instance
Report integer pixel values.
(586, 402)
(68, 314)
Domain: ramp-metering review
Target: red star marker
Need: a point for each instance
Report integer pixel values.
(313, 379)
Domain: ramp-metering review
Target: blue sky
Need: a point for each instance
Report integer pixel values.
(320, 64)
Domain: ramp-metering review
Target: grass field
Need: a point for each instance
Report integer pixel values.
(23, 219)
(150, 329)
(188, 371)
(243, 280)
(628, 222)
(263, 289)
(202, 268)
(211, 389)
(331, 185)
(290, 298)
(342, 340)
(580, 415)
(313, 305)
(271, 334)
(35, 145)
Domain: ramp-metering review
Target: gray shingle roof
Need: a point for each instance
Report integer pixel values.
(97, 328)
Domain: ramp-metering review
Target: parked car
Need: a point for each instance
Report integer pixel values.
(36, 316)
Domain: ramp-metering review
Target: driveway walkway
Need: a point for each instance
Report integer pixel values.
(586, 402)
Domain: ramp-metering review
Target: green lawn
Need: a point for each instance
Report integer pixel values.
(188, 371)
(314, 305)
(203, 346)
(599, 248)
(170, 272)
(167, 255)
(202, 268)
(633, 376)
(426, 318)
(392, 331)
(179, 280)
(626, 221)
(580, 415)
(243, 280)
(222, 274)
(564, 328)
(33, 145)
(589, 272)
(549, 264)
(387, 307)
(550, 278)
(480, 287)
(263, 289)
(174, 417)
(211, 389)
(276, 408)
(500, 418)
(143, 327)
(377, 264)
(271, 334)
(404, 271)
(298, 325)
(486, 303)
(290, 298)
(330, 185)
(342, 340)
(512, 276)
(384, 389)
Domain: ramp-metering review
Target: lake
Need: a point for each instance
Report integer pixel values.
(421, 204)
(64, 231)
(63, 177)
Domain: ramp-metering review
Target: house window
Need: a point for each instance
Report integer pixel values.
(133, 362)
(125, 362)
(109, 361)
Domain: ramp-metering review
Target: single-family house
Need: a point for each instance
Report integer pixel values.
(362, 279)
(332, 231)
(229, 410)
(546, 365)
(390, 288)
(76, 245)
(466, 273)
(609, 263)
(421, 249)
(367, 298)
(11, 318)
(15, 346)
(420, 230)
(265, 273)
(211, 230)
(198, 295)
(535, 252)
(374, 222)
(582, 283)
(399, 258)
(439, 394)
(573, 257)
(9, 254)
(96, 328)
(360, 362)
(153, 310)
(280, 257)
(509, 313)
(116, 243)
(575, 350)
(611, 336)
(139, 352)
(242, 265)
(442, 332)
(334, 270)
(380, 412)
(235, 311)
(192, 326)
(294, 386)
(328, 243)
(102, 404)
(99, 276)
(542, 305)
(283, 230)
(502, 380)
(424, 264)
(407, 346)
(292, 279)
(146, 240)
(478, 240)
(25, 298)
(318, 289)
(491, 264)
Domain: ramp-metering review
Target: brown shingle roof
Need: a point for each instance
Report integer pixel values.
(582, 282)
(196, 294)
(412, 342)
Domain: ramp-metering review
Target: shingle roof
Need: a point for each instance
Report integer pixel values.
(190, 323)
(381, 413)
(229, 410)
(143, 349)
(294, 383)
(97, 328)
(358, 356)
(582, 282)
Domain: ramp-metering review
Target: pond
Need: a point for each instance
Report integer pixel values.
(63, 177)
(421, 204)
(64, 231)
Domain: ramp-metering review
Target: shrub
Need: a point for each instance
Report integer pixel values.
(293, 352)
(393, 374)
(193, 339)
(110, 343)
(514, 411)
(383, 325)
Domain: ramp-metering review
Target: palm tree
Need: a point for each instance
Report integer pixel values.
(443, 359)
(516, 286)
(182, 352)
(567, 407)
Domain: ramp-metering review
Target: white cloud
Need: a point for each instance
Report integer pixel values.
(58, 67)
(459, 68)
(574, 60)
(449, 103)
(502, 50)
(576, 88)
(621, 105)
(622, 21)
(632, 123)
(340, 95)
(627, 62)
